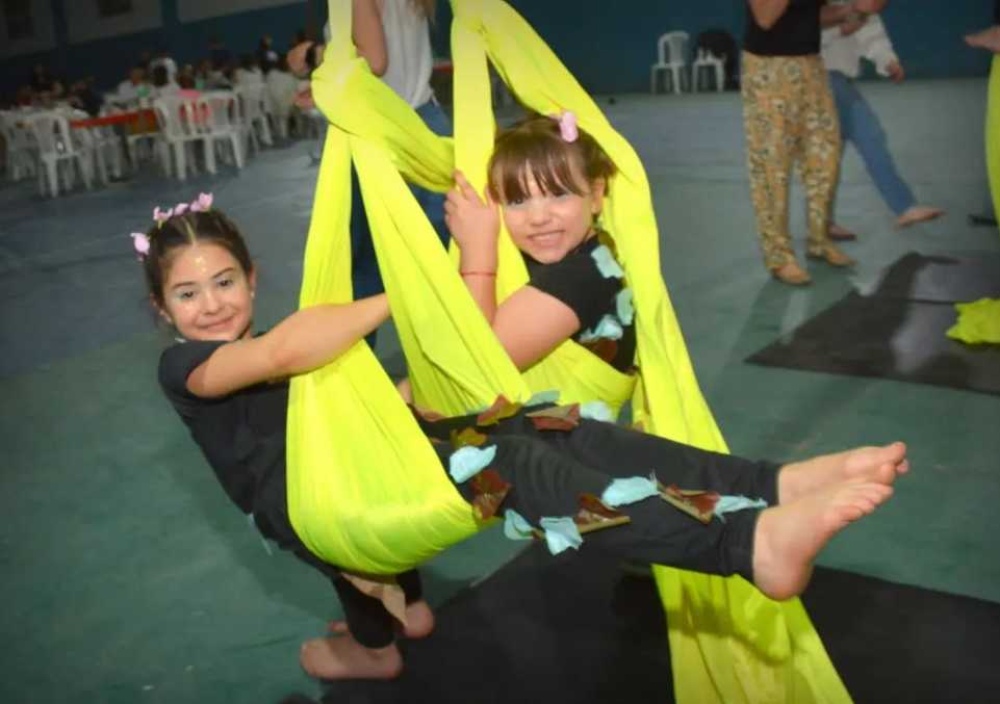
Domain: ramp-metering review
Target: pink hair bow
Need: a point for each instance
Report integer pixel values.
(567, 126)
(141, 244)
(202, 203)
(161, 216)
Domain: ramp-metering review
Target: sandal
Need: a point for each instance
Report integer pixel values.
(840, 234)
(792, 274)
(831, 255)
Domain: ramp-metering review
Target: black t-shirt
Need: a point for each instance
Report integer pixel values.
(577, 281)
(796, 33)
(241, 435)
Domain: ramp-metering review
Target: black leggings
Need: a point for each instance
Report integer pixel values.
(548, 470)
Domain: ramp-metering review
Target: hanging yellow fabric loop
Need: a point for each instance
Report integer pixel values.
(365, 488)
(728, 642)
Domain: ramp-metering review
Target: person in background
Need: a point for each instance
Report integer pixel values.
(845, 41)
(281, 89)
(789, 116)
(267, 57)
(134, 87)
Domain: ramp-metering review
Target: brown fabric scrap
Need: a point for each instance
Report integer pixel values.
(594, 514)
(488, 491)
(467, 437)
(695, 503)
(556, 417)
(501, 409)
(605, 348)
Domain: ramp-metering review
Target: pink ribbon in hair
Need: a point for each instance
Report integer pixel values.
(141, 244)
(567, 126)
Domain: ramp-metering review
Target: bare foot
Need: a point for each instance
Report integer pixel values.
(918, 213)
(870, 464)
(343, 658)
(419, 621)
(988, 39)
(789, 537)
(836, 232)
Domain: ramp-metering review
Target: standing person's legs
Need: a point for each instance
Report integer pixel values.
(366, 279)
(873, 146)
(432, 202)
(770, 141)
(840, 87)
(820, 156)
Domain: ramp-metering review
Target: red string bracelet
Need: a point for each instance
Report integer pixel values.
(478, 273)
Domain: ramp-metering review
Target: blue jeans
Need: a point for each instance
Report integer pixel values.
(859, 125)
(366, 278)
(365, 275)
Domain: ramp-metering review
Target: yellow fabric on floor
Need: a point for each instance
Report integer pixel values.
(978, 322)
(729, 643)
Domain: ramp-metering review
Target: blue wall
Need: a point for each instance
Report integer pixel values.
(608, 52)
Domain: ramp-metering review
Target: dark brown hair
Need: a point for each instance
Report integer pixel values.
(210, 226)
(535, 147)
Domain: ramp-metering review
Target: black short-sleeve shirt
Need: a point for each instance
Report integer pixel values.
(577, 281)
(796, 33)
(241, 435)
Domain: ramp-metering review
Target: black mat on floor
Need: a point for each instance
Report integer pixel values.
(573, 629)
(888, 338)
(945, 278)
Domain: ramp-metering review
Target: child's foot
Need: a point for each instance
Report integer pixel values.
(789, 537)
(869, 464)
(836, 232)
(918, 213)
(988, 39)
(343, 658)
(419, 621)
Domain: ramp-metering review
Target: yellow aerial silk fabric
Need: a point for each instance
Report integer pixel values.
(729, 643)
(365, 489)
(979, 321)
(993, 133)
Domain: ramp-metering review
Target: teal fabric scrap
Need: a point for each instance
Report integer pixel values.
(469, 461)
(628, 490)
(728, 504)
(624, 306)
(597, 410)
(606, 263)
(561, 534)
(516, 526)
(607, 327)
(550, 396)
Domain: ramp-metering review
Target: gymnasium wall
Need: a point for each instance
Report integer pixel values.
(608, 46)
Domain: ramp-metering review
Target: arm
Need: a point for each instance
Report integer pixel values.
(304, 340)
(876, 46)
(833, 15)
(530, 323)
(767, 12)
(369, 37)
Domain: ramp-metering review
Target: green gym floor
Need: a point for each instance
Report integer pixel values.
(127, 575)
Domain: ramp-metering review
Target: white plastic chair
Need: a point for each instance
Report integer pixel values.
(21, 156)
(221, 126)
(180, 121)
(253, 114)
(716, 67)
(671, 51)
(58, 153)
